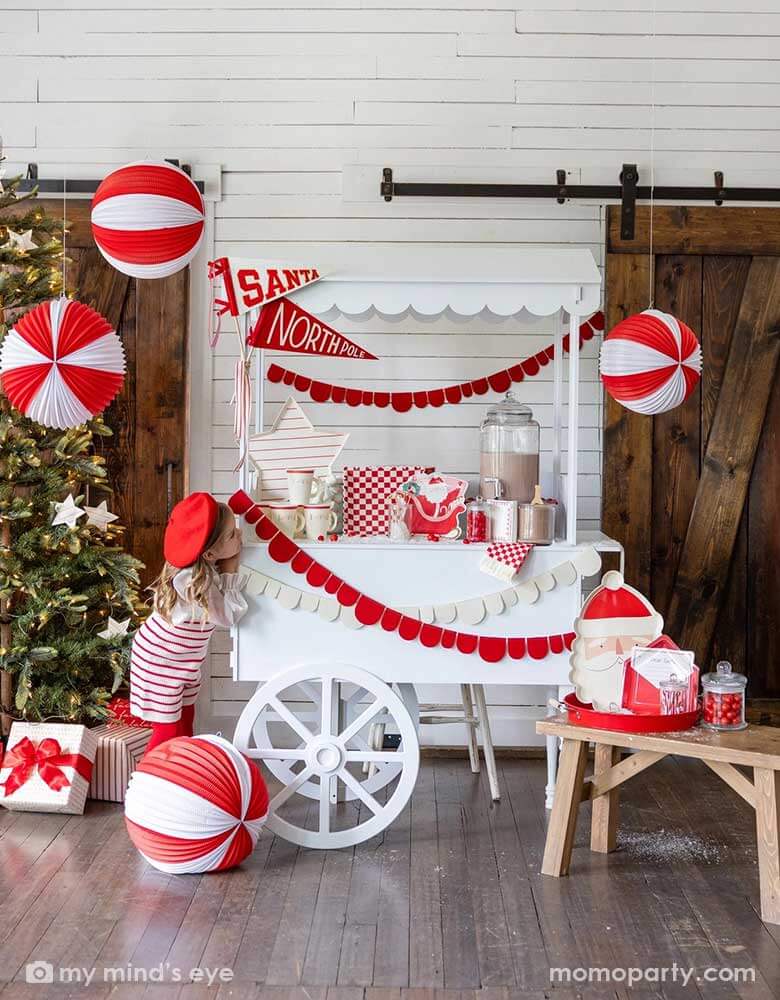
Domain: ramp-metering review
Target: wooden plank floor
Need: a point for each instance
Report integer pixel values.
(448, 904)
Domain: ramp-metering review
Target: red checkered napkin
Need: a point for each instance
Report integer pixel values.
(366, 492)
(504, 559)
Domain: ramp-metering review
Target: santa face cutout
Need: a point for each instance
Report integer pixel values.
(613, 620)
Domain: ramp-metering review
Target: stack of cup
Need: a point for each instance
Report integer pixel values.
(305, 512)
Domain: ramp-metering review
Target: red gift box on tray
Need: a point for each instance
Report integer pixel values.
(435, 502)
(641, 683)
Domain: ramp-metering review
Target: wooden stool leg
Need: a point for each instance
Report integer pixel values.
(767, 785)
(604, 817)
(563, 819)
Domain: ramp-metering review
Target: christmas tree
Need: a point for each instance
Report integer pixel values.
(63, 586)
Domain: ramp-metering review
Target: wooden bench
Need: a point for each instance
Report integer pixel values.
(756, 747)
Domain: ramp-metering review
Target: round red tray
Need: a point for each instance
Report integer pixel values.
(586, 715)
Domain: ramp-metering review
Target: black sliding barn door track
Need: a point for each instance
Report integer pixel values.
(52, 185)
(627, 192)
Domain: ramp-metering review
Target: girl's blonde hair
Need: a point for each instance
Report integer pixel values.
(164, 593)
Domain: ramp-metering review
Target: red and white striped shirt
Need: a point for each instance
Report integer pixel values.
(166, 658)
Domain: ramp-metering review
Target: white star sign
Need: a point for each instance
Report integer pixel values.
(292, 443)
(100, 516)
(67, 512)
(22, 241)
(114, 628)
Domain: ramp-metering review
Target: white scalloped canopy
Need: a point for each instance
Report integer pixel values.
(464, 280)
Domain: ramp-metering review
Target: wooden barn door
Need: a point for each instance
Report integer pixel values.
(146, 457)
(693, 494)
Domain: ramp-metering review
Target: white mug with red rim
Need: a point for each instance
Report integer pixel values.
(319, 520)
(288, 517)
(303, 487)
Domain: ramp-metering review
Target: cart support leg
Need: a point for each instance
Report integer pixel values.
(487, 741)
(552, 756)
(337, 789)
(471, 729)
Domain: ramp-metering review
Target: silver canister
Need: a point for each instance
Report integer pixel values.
(536, 523)
(503, 520)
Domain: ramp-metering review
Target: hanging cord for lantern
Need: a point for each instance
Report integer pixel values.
(651, 279)
(64, 212)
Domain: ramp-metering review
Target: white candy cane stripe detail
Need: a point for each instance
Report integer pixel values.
(54, 406)
(167, 803)
(144, 211)
(152, 270)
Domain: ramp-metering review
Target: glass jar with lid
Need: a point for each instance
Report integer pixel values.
(723, 700)
(509, 451)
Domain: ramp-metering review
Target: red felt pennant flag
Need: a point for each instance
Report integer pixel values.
(246, 284)
(285, 326)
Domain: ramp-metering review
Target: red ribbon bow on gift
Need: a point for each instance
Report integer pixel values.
(47, 757)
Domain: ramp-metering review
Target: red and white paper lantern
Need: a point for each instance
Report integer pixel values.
(148, 219)
(650, 362)
(195, 804)
(61, 363)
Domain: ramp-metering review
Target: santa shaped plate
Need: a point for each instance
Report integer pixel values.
(625, 722)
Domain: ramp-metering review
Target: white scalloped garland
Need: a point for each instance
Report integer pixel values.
(472, 611)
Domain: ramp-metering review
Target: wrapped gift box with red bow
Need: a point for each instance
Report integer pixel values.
(120, 748)
(47, 767)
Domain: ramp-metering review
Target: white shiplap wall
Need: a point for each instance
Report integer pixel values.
(282, 97)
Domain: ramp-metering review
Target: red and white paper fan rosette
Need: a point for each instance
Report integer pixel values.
(195, 804)
(61, 363)
(650, 362)
(148, 219)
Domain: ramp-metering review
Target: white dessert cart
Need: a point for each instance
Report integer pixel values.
(314, 717)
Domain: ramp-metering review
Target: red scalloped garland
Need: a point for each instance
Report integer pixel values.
(491, 648)
(401, 402)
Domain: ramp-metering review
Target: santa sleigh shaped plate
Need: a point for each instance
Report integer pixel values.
(434, 504)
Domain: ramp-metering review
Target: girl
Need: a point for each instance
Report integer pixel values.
(199, 587)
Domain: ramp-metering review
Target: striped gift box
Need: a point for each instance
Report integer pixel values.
(119, 750)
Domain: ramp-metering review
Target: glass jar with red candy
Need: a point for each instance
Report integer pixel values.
(723, 701)
(477, 521)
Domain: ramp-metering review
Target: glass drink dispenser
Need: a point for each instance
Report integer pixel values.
(509, 451)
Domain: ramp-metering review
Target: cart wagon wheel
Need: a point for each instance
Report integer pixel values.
(379, 775)
(330, 756)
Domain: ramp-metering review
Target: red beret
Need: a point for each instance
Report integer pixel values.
(190, 527)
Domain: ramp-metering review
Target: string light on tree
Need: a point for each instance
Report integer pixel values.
(55, 577)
